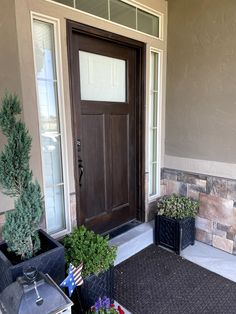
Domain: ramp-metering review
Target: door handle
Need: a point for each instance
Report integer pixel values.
(81, 172)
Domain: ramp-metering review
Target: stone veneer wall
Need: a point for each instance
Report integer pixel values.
(216, 219)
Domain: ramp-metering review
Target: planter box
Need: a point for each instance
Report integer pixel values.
(49, 260)
(174, 234)
(92, 289)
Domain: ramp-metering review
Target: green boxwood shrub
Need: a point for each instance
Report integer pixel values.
(177, 206)
(83, 245)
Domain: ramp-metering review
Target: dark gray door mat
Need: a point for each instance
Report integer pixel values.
(156, 281)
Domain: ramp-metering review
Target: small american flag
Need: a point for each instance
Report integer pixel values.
(76, 271)
(73, 279)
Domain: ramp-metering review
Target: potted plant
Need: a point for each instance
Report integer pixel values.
(24, 244)
(104, 306)
(175, 222)
(98, 257)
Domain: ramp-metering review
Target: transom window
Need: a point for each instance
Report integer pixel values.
(119, 12)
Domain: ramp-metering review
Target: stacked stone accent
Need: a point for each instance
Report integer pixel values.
(216, 219)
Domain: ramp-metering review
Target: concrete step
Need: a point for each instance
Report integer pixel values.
(133, 241)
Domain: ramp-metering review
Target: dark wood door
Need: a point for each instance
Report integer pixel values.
(106, 136)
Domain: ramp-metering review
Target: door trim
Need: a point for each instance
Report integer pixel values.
(75, 27)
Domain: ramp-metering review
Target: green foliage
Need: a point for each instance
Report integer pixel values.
(93, 250)
(15, 173)
(176, 206)
(20, 230)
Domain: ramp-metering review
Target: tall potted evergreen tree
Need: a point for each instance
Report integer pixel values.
(24, 244)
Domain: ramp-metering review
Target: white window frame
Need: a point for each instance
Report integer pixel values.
(61, 110)
(159, 120)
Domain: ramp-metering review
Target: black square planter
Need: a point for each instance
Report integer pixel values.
(174, 234)
(49, 260)
(93, 288)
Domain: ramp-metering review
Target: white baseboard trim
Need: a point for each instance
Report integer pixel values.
(213, 168)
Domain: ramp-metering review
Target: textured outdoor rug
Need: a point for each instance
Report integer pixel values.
(156, 281)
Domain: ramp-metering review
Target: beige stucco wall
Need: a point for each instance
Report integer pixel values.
(201, 80)
(9, 67)
(23, 10)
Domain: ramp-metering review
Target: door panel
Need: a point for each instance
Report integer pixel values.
(106, 121)
(120, 160)
(93, 189)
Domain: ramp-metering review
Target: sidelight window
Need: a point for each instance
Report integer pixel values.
(50, 124)
(153, 125)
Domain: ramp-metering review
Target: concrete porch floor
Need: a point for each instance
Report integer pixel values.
(212, 259)
(136, 239)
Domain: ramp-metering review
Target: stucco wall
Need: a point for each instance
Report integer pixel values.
(9, 67)
(201, 85)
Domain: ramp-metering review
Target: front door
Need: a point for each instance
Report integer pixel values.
(106, 129)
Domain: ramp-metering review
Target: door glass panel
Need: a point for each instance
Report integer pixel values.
(123, 13)
(148, 23)
(95, 7)
(102, 78)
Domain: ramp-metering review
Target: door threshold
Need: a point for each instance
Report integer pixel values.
(122, 229)
(133, 241)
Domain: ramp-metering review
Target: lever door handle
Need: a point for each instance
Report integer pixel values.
(81, 172)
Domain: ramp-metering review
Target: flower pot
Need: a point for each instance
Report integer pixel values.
(50, 259)
(174, 234)
(93, 288)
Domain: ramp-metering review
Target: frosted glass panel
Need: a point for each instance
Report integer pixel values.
(102, 78)
(123, 13)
